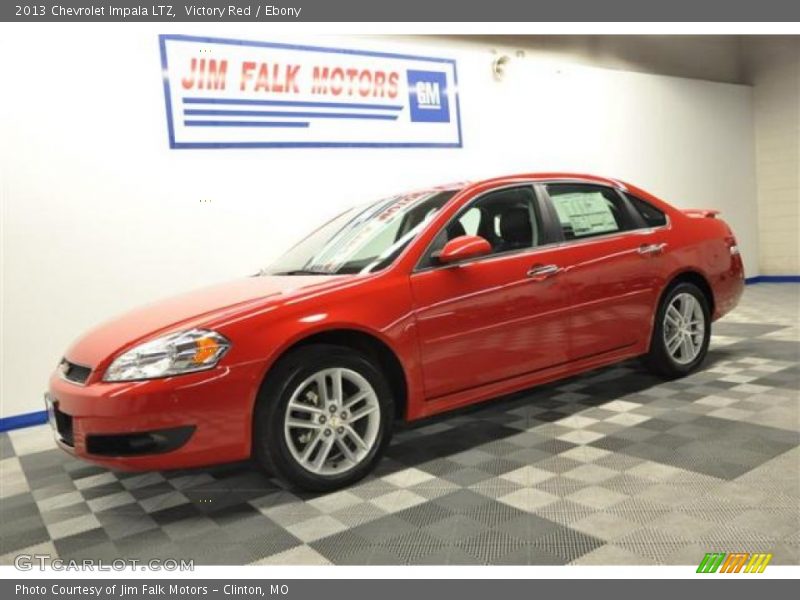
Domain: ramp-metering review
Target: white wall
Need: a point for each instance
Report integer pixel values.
(100, 216)
(775, 67)
(675, 55)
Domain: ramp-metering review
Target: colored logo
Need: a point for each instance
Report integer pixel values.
(427, 92)
(734, 562)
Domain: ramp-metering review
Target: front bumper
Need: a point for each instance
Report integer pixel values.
(185, 421)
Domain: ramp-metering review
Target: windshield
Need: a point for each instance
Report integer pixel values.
(362, 239)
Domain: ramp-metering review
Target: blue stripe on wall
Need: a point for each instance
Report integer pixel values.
(26, 420)
(773, 279)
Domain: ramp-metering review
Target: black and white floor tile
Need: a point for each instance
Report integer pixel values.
(614, 467)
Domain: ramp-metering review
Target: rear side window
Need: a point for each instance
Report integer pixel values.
(651, 216)
(586, 210)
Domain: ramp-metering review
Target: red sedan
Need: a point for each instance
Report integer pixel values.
(405, 308)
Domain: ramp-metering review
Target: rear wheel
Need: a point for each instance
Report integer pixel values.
(681, 333)
(323, 419)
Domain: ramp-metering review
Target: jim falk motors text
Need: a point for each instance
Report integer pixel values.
(157, 589)
(252, 76)
(229, 589)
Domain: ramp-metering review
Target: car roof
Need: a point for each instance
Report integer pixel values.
(559, 176)
(527, 177)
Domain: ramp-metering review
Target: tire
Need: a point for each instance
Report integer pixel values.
(294, 391)
(678, 359)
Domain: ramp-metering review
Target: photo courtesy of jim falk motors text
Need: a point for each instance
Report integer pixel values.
(126, 590)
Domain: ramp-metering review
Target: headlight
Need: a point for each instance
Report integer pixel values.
(174, 354)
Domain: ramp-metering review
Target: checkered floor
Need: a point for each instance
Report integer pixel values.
(615, 467)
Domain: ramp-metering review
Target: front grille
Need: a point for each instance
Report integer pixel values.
(63, 426)
(75, 373)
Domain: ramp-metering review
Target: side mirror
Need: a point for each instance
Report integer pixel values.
(462, 248)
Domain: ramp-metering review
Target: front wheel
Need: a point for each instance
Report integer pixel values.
(681, 333)
(323, 419)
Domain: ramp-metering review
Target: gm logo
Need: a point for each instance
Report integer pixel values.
(428, 98)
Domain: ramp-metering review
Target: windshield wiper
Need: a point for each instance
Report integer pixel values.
(302, 272)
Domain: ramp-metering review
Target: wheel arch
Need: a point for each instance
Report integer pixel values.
(685, 276)
(383, 356)
(698, 279)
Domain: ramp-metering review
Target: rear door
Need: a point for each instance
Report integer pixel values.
(613, 264)
(497, 316)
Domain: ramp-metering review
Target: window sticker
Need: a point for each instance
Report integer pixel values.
(366, 230)
(586, 213)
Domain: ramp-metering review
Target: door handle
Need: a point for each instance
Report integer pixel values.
(542, 272)
(651, 249)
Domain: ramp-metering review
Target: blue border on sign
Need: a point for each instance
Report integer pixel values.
(164, 37)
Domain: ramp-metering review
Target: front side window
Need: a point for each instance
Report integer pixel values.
(586, 210)
(508, 219)
(363, 239)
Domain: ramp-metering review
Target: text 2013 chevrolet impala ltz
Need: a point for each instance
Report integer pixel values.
(408, 307)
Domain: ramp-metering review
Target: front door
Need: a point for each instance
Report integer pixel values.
(497, 316)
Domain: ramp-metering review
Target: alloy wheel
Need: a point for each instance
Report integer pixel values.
(684, 328)
(332, 421)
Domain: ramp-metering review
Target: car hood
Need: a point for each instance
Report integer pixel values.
(193, 309)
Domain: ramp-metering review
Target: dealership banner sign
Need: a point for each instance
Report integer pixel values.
(223, 93)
